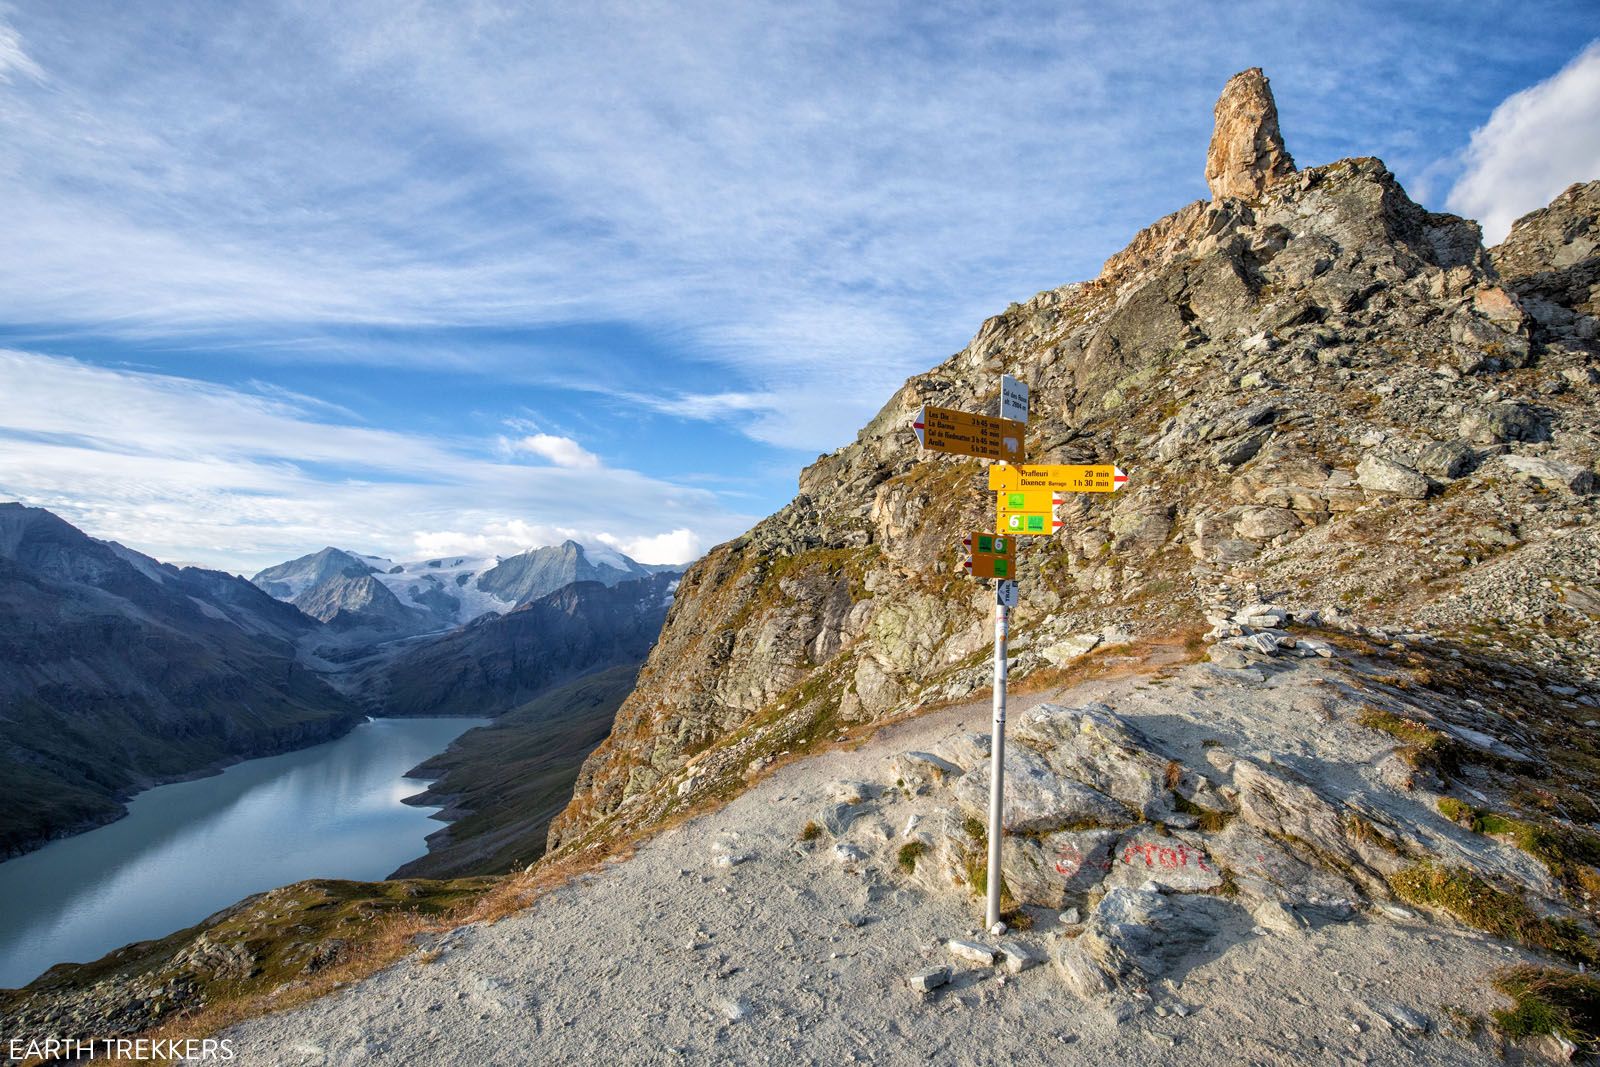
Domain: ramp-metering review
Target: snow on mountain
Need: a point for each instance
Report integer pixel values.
(452, 591)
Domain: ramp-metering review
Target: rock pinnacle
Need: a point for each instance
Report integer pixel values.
(1247, 152)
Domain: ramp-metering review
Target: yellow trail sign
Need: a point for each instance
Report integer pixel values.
(1026, 523)
(1058, 478)
(1028, 499)
(962, 433)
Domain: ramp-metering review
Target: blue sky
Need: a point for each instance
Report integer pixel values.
(417, 278)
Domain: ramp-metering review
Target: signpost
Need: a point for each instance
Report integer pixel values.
(1027, 512)
(1059, 478)
(1013, 399)
(962, 433)
(989, 556)
(1024, 507)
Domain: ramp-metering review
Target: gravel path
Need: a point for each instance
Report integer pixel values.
(727, 940)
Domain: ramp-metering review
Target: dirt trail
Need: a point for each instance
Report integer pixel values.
(727, 940)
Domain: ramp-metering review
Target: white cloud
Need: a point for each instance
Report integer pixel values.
(1535, 144)
(189, 470)
(677, 546)
(562, 451)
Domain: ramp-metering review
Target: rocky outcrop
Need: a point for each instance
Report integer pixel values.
(1321, 387)
(1246, 153)
(348, 602)
(1551, 261)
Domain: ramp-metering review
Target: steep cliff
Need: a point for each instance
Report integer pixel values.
(1320, 389)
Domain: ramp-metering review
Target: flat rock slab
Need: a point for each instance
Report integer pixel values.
(1173, 864)
(971, 951)
(1018, 956)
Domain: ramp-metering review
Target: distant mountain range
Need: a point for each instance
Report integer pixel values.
(351, 591)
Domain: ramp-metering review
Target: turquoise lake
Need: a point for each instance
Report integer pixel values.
(187, 850)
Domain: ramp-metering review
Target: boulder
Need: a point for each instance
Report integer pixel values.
(1175, 864)
(1134, 937)
(1263, 524)
(1038, 799)
(1552, 473)
(1445, 459)
(1387, 477)
(1093, 744)
(1053, 870)
(1494, 424)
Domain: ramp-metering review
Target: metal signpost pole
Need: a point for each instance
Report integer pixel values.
(997, 752)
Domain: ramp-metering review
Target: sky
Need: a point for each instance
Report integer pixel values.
(418, 278)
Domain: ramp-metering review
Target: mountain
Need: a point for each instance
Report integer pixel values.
(120, 672)
(501, 661)
(347, 603)
(376, 593)
(289, 580)
(539, 571)
(1319, 389)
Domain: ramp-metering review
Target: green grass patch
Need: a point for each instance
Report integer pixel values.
(907, 856)
(810, 831)
(1477, 903)
(1421, 746)
(1570, 855)
(1551, 1001)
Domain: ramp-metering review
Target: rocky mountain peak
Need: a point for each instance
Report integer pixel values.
(1319, 387)
(1247, 153)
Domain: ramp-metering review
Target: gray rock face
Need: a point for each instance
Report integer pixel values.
(1171, 863)
(1135, 937)
(541, 571)
(1445, 459)
(1497, 423)
(1246, 153)
(1037, 799)
(1552, 473)
(1093, 745)
(1052, 870)
(1551, 259)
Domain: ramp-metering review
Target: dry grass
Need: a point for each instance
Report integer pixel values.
(1551, 1001)
(1477, 903)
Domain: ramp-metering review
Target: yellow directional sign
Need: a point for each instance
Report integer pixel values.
(1058, 477)
(1028, 499)
(1026, 523)
(965, 434)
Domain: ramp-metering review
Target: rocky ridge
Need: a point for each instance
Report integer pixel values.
(1320, 389)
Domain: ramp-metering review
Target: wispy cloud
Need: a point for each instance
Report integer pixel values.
(1536, 143)
(189, 470)
(822, 198)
